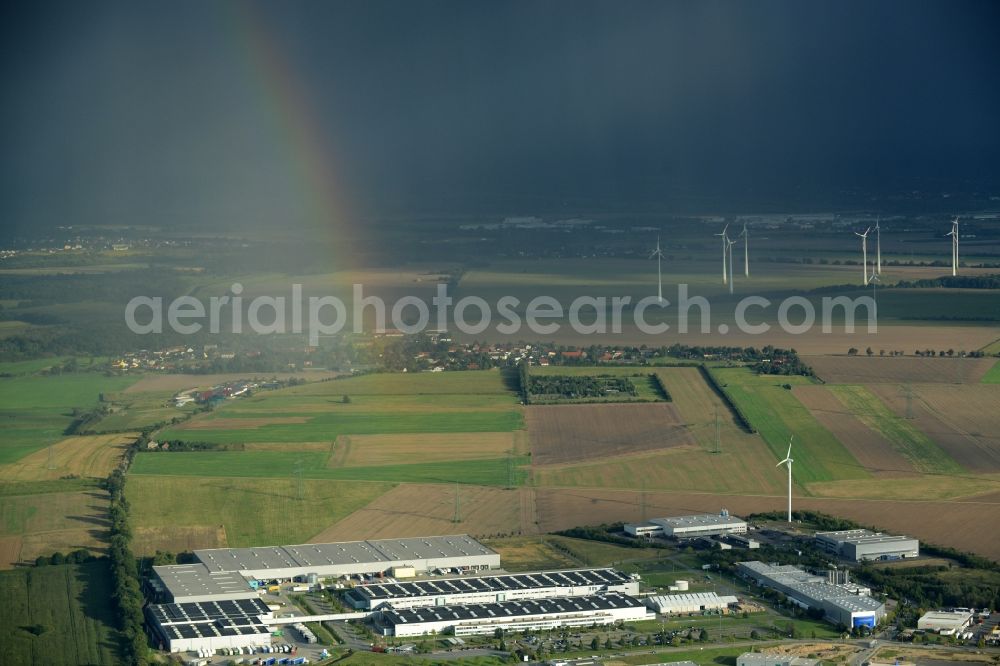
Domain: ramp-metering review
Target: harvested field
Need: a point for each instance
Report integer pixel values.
(239, 424)
(964, 524)
(571, 433)
(84, 456)
(181, 382)
(926, 486)
(178, 538)
(900, 369)
(93, 539)
(530, 554)
(697, 403)
(52, 512)
(364, 450)
(870, 448)
(10, 551)
(963, 421)
(418, 509)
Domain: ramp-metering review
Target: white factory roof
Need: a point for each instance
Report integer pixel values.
(195, 580)
(698, 520)
(860, 536)
(376, 552)
(666, 602)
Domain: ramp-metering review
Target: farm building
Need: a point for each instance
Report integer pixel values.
(530, 614)
(489, 589)
(352, 558)
(188, 583)
(946, 622)
(841, 604)
(210, 625)
(859, 545)
(696, 602)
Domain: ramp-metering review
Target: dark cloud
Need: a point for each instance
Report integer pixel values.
(192, 112)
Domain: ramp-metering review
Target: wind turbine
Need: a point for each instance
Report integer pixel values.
(954, 246)
(725, 249)
(875, 280)
(746, 251)
(878, 246)
(729, 246)
(788, 461)
(658, 253)
(864, 253)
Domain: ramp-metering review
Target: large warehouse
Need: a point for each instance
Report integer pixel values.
(859, 545)
(210, 625)
(188, 583)
(350, 558)
(488, 589)
(530, 614)
(946, 622)
(695, 602)
(841, 604)
(689, 527)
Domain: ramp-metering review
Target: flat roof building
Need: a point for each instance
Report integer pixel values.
(763, 659)
(946, 622)
(841, 604)
(210, 625)
(695, 602)
(490, 589)
(699, 525)
(182, 583)
(530, 614)
(352, 558)
(859, 545)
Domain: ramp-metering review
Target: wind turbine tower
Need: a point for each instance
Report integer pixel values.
(725, 249)
(864, 253)
(954, 246)
(788, 462)
(729, 247)
(746, 251)
(878, 247)
(658, 253)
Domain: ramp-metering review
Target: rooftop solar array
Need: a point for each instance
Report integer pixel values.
(228, 612)
(510, 609)
(373, 552)
(499, 583)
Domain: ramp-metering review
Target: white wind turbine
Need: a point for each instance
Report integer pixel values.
(729, 247)
(864, 253)
(954, 246)
(878, 247)
(746, 251)
(658, 253)
(788, 461)
(725, 249)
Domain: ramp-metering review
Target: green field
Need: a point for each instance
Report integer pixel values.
(912, 443)
(253, 512)
(58, 615)
(775, 412)
(279, 464)
(135, 411)
(993, 376)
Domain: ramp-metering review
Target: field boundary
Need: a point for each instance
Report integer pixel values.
(741, 419)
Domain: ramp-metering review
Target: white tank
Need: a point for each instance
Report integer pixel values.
(681, 585)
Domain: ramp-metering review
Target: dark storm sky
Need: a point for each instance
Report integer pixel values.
(161, 113)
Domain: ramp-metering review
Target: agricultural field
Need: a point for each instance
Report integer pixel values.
(174, 382)
(993, 375)
(863, 369)
(573, 433)
(58, 615)
(36, 410)
(422, 509)
(530, 554)
(81, 456)
(174, 514)
(365, 450)
(44, 523)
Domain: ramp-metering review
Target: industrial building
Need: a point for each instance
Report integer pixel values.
(189, 583)
(689, 527)
(529, 614)
(488, 589)
(845, 604)
(762, 659)
(860, 545)
(695, 602)
(945, 622)
(210, 625)
(352, 558)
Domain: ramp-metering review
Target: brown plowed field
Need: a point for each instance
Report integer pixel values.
(963, 420)
(868, 447)
(418, 509)
(970, 524)
(899, 369)
(571, 433)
